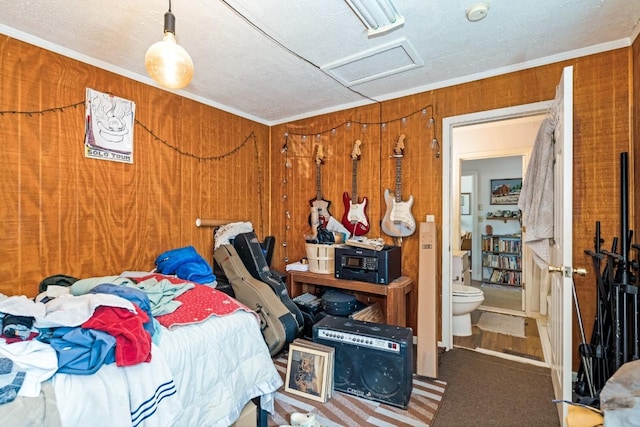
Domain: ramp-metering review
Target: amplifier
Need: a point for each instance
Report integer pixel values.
(373, 360)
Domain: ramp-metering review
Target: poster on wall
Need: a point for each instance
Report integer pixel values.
(109, 127)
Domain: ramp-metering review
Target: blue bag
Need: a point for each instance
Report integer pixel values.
(187, 264)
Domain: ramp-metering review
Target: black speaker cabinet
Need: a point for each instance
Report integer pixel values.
(372, 360)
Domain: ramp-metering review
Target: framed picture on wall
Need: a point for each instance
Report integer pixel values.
(465, 204)
(505, 191)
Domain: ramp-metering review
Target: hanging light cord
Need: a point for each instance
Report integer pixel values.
(297, 55)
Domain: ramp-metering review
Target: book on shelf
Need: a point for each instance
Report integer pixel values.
(505, 277)
(496, 276)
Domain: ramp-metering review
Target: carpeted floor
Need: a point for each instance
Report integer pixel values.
(484, 390)
(347, 410)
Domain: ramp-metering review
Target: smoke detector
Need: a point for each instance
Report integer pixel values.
(477, 12)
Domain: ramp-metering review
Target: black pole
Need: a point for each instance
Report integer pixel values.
(624, 230)
(635, 336)
(611, 298)
(600, 345)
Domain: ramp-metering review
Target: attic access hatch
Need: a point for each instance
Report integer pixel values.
(382, 61)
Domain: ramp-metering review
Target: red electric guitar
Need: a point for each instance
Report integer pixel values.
(398, 220)
(319, 206)
(355, 212)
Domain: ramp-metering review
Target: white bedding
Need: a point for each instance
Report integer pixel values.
(138, 395)
(217, 366)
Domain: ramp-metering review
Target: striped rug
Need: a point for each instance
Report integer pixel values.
(347, 410)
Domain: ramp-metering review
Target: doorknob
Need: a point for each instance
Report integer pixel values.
(568, 271)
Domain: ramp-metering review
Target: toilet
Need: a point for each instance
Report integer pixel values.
(465, 300)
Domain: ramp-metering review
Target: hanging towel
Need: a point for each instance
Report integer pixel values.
(536, 197)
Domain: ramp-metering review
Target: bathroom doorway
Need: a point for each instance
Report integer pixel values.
(476, 175)
(498, 141)
(487, 155)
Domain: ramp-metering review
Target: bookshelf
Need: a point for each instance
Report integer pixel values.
(502, 259)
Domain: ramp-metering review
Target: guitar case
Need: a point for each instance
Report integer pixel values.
(268, 247)
(277, 323)
(252, 255)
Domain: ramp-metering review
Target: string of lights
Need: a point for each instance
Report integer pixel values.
(347, 124)
(304, 137)
(75, 105)
(259, 170)
(285, 196)
(42, 112)
(284, 150)
(250, 137)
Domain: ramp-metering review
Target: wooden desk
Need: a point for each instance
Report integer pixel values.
(395, 295)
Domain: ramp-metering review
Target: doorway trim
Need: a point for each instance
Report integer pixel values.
(475, 188)
(450, 178)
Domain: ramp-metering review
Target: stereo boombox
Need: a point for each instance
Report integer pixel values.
(368, 265)
(372, 360)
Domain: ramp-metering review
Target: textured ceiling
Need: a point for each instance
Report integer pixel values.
(275, 61)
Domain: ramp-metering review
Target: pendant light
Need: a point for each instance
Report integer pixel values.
(166, 61)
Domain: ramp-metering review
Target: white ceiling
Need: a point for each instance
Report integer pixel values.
(264, 59)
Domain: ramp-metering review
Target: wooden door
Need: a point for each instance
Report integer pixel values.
(560, 312)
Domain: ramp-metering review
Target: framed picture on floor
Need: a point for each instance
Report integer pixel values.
(308, 372)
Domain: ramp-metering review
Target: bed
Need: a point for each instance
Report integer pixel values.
(205, 365)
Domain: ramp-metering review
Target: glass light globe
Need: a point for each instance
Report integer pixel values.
(168, 63)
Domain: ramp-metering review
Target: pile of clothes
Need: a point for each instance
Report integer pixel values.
(74, 326)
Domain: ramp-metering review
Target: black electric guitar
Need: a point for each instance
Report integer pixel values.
(398, 220)
(319, 206)
(355, 212)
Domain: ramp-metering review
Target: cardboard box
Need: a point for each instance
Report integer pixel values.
(465, 245)
(248, 417)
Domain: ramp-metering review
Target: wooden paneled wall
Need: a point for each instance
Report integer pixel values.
(635, 126)
(64, 213)
(602, 102)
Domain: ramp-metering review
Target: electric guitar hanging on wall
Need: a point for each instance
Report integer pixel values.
(355, 213)
(319, 206)
(398, 220)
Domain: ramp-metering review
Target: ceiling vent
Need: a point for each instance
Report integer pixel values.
(382, 61)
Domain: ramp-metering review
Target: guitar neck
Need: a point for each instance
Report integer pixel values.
(354, 182)
(318, 181)
(398, 179)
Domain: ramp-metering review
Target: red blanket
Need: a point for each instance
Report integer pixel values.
(198, 304)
